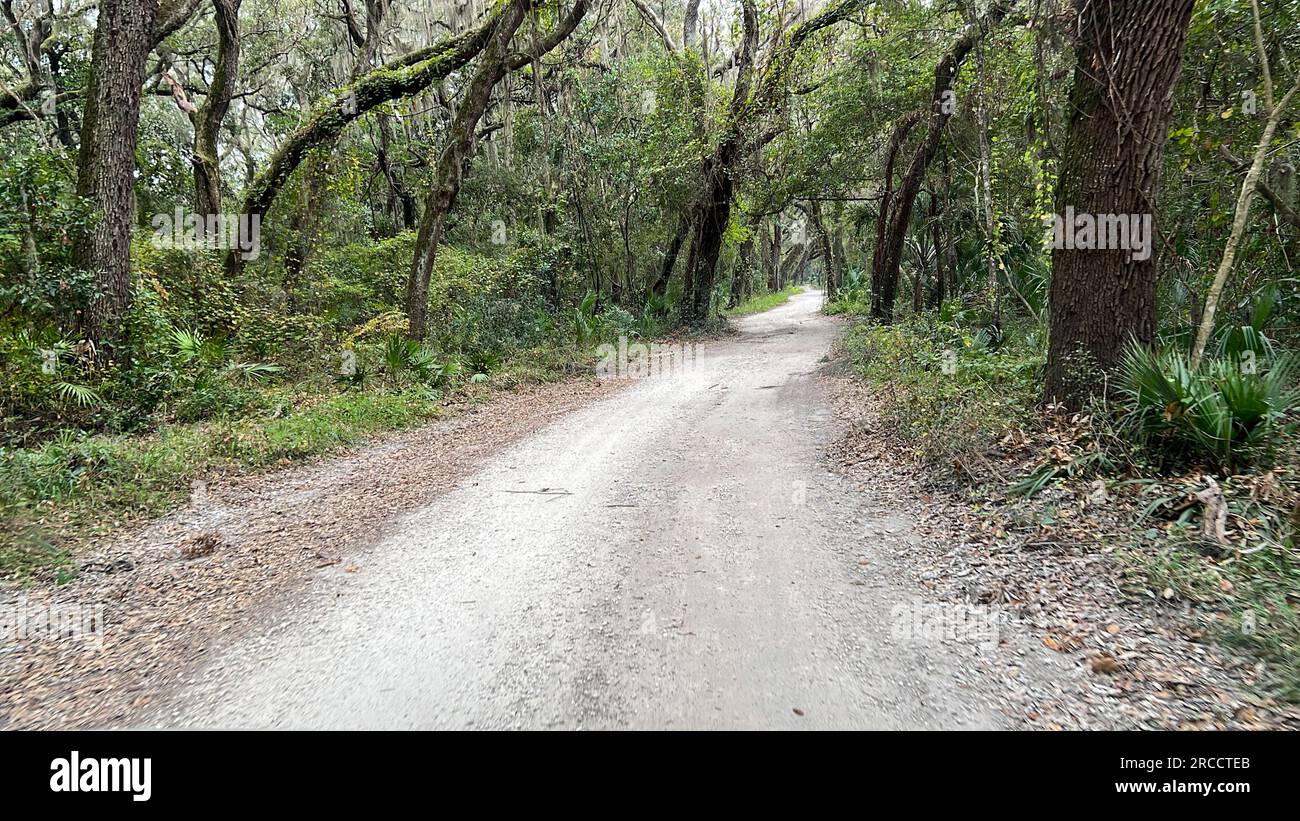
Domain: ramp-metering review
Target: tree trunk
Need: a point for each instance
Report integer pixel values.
(402, 201)
(768, 97)
(209, 117)
(714, 209)
(986, 200)
(660, 286)
(937, 215)
(1242, 212)
(708, 237)
(918, 280)
(774, 272)
(827, 247)
(302, 228)
(106, 162)
(1129, 56)
(880, 308)
(452, 165)
(838, 253)
(943, 105)
(1251, 184)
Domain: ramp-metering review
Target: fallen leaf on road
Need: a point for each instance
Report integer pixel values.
(1105, 664)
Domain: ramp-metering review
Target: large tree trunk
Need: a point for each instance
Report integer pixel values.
(1129, 56)
(709, 228)
(882, 296)
(106, 162)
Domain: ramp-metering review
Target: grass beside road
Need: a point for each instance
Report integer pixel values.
(764, 302)
(81, 485)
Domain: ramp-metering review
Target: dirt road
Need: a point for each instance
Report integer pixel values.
(676, 555)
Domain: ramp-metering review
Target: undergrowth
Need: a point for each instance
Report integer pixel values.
(764, 302)
(82, 483)
(947, 394)
(1169, 440)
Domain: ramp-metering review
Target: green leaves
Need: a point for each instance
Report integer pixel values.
(1223, 412)
(204, 379)
(415, 363)
(586, 326)
(81, 395)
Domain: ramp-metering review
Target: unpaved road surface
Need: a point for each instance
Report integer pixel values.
(675, 555)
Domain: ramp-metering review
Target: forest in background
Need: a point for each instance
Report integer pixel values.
(243, 232)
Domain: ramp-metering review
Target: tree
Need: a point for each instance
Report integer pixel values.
(750, 123)
(211, 114)
(124, 37)
(495, 63)
(1129, 56)
(1249, 187)
(885, 278)
(401, 77)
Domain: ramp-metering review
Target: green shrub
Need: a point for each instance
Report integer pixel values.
(207, 383)
(854, 295)
(944, 392)
(1222, 412)
(43, 385)
(42, 216)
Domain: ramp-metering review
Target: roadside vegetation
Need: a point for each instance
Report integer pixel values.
(1215, 527)
(1169, 449)
(763, 302)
